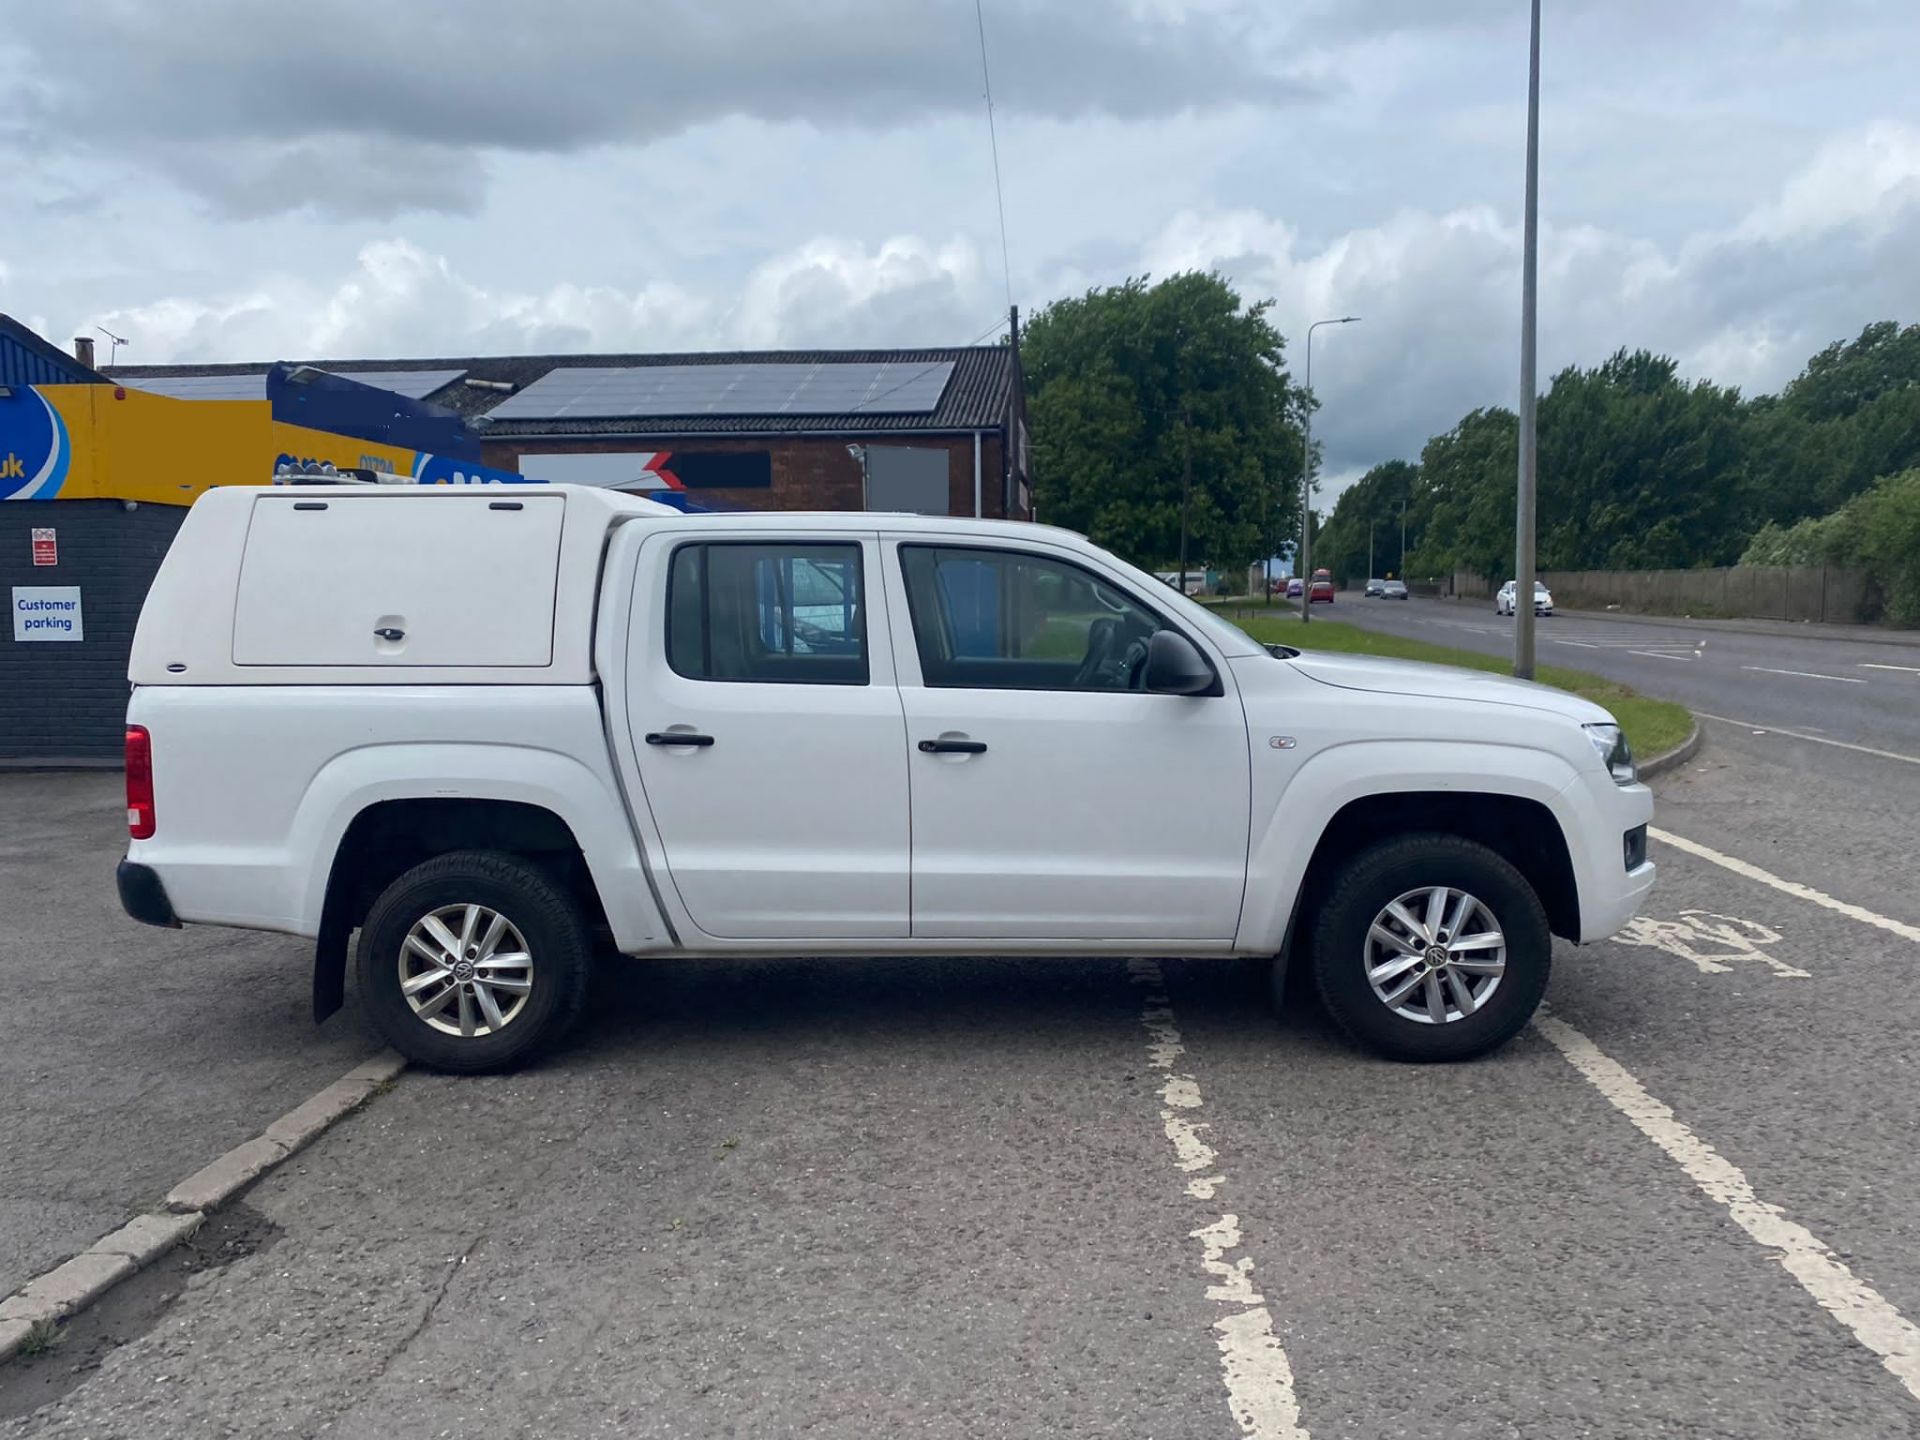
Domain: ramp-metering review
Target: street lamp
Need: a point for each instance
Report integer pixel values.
(1306, 477)
(1523, 515)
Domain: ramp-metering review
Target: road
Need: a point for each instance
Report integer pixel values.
(1821, 680)
(947, 1198)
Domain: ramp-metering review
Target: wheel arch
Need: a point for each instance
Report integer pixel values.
(1350, 795)
(387, 838)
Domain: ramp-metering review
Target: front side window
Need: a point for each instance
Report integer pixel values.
(784, 614)
(1009, 620)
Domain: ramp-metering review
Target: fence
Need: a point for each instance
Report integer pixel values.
(1761, 592)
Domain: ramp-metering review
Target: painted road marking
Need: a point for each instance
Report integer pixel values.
(1714, 943)
(1258, 1377)
(1788, 887)
(1910, 669)
(1865, 1312)
(1806, 674)
(1583, 644)
(1663, 655)
(1760, 729)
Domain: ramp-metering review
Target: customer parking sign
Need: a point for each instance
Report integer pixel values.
(47, 612)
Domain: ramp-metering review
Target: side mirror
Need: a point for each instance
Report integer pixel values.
(1175, 667)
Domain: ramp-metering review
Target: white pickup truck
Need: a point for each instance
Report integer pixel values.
(496, 730)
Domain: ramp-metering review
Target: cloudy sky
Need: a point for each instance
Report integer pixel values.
(1734, 182)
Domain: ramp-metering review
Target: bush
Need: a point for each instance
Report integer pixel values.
(1880, 532)
(1877, 531)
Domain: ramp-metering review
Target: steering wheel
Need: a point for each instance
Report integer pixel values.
(1133, 665)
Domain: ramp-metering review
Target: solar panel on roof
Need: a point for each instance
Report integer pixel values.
(414, 384)
(600, 392)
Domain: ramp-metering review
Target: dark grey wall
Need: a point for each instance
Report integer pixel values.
(62, 700)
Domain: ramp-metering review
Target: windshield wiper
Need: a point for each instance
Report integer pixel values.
(1282, 652)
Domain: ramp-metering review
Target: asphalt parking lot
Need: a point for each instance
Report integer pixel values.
(1023, 1197)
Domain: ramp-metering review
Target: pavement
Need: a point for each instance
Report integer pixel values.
(1040, 1197)
(129, 1056)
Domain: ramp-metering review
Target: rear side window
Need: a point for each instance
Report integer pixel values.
(780, 614)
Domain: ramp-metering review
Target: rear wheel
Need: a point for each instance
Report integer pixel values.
(1431, 947)
(473, 961)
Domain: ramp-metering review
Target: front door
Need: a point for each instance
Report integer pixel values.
(1052, 797)
(763, 708)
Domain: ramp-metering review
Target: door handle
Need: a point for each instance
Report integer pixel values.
(953, 747)
(678, 737)
(388, 632)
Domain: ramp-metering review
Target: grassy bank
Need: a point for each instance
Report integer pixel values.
(1652, 726)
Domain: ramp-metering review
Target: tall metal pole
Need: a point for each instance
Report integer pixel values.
(1306, 479)
(1369, 551)
(1523, 513)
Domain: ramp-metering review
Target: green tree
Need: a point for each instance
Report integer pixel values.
(1464, 501)
(1370, 509)
(1640, 470)
(1849, 418)
(1129, 384)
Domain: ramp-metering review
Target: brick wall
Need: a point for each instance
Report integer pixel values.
(808, 473)
(68, 700)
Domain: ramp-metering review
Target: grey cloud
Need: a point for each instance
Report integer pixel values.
(566, 74)
(353, 176)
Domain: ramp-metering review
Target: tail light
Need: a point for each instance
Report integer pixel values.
(140, 817)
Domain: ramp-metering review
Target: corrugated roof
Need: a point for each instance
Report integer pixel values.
(974, 399)
(26, 359)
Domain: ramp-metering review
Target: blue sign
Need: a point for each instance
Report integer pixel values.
(34, 449)
(446, 470)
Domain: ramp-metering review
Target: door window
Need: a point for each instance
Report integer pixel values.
(1012, 620)
(781, 614)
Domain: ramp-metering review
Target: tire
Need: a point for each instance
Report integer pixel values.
(556, 942)
(1343, 949)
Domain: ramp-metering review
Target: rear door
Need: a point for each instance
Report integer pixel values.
(771, 747)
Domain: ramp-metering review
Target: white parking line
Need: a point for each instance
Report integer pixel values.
(1258, 1377)
(1870, 665)
(1788, 887)
(1806, 674)
(1662, 655)
(1583, 644)
(1868, 1314)
(1816, 739)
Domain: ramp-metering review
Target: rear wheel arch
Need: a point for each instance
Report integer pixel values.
(387, 838)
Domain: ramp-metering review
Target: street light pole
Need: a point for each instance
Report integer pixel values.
(1523, 514)
(1306, 478)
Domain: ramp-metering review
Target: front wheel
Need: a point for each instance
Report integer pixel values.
(1431, 947)
(473, 961)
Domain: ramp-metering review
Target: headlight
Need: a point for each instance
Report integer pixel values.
(1610, 741)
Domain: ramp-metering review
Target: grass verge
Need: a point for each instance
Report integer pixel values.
(1653, 726)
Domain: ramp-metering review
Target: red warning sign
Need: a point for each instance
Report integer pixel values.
(46, 551)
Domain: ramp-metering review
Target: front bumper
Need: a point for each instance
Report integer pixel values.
(143, 896)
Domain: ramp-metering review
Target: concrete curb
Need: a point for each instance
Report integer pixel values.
(69, 1288)
(1678, 755)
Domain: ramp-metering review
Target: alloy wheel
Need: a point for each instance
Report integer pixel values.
(1434, 955)
(466, 970)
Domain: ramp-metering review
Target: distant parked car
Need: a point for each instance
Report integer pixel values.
(1321, 589)
(1296, 587)
(1394, 589)
(1503, 603)
(1376, 588)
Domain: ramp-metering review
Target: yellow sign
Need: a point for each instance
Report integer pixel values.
(109, 442)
